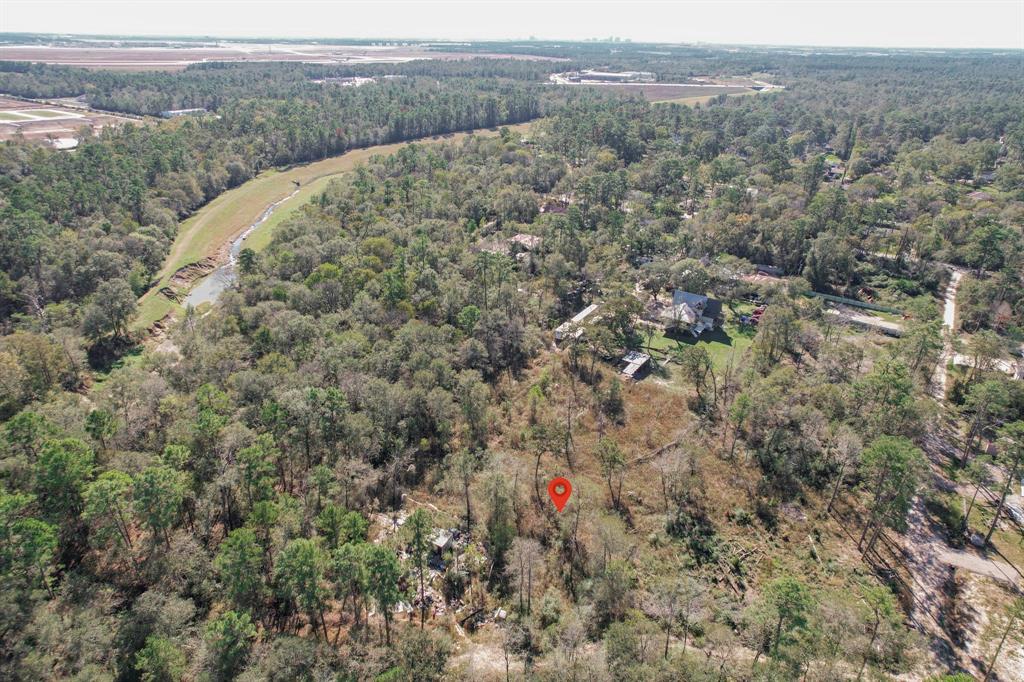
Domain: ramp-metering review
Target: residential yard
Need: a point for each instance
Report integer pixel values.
(729, 342)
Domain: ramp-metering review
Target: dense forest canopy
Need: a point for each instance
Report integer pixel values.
(258, 494)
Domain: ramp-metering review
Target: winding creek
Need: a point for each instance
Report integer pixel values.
(217, 232)
(207, 289)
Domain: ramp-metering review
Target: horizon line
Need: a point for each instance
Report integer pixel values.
(611, 40)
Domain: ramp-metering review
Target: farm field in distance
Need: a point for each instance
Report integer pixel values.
(58, 125)
(123, 56)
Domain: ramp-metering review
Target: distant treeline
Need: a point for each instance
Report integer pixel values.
(215, 84)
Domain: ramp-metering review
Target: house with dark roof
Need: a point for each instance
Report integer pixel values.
(692, 312)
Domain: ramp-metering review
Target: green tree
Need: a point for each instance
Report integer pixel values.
(113, 307)
(32, 550)
(886, 399)
(351, 580)
(339, 526)
(699, 370)
(473, 396)
(423, 656)
(921, 345)
(467, 319)
(247, 261)
(160, 661)
(63, 469)
(501, 529)
(240, 564)
(299, 574)
(25, 433)
(619, 316)
(257, 463)
(776, 335)
(159, 492)
(108, 507)
(828, 260)
(613, 465)
(628, 646)
(892, 469)
(101, 426)
(986, 402)
(984, 348)
(384, 572)
(230, 636)
(419, 527)
(882, 607)
(789, 600)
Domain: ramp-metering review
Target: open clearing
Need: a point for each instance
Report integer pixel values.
(725, 345)
(209, 232)
(50, 122)
(123, 56)
(701, 99)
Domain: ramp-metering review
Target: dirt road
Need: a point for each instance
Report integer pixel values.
(949, 328)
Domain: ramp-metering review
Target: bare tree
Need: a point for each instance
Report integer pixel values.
(676, 600)
(843, 450)
(526, 557)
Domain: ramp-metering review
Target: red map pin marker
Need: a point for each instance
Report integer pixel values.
(559, 489)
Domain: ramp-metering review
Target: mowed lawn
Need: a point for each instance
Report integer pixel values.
(260, 238)
(227, 216)
(725, 344)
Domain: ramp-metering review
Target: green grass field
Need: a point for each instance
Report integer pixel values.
(13, 116)
(219, 221)
(729, 342)
(260, 238)
(47, 113)
(701, 99)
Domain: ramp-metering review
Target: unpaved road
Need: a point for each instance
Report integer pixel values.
(949, 327)
(998, 570)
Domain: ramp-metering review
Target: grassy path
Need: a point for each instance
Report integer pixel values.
(701, 99)
(228, 215)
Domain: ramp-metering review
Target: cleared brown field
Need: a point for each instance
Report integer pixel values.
(49, 121)
(127, 58)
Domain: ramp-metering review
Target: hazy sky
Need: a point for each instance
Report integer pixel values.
(888, 23)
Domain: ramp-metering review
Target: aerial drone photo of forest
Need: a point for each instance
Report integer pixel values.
(503, 359)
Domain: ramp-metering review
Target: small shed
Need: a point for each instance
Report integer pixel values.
(442, 541)
(770, 270)
(635, 364)
(574, 327)
(527, 242)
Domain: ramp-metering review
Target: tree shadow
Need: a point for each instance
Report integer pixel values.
(714, 336)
